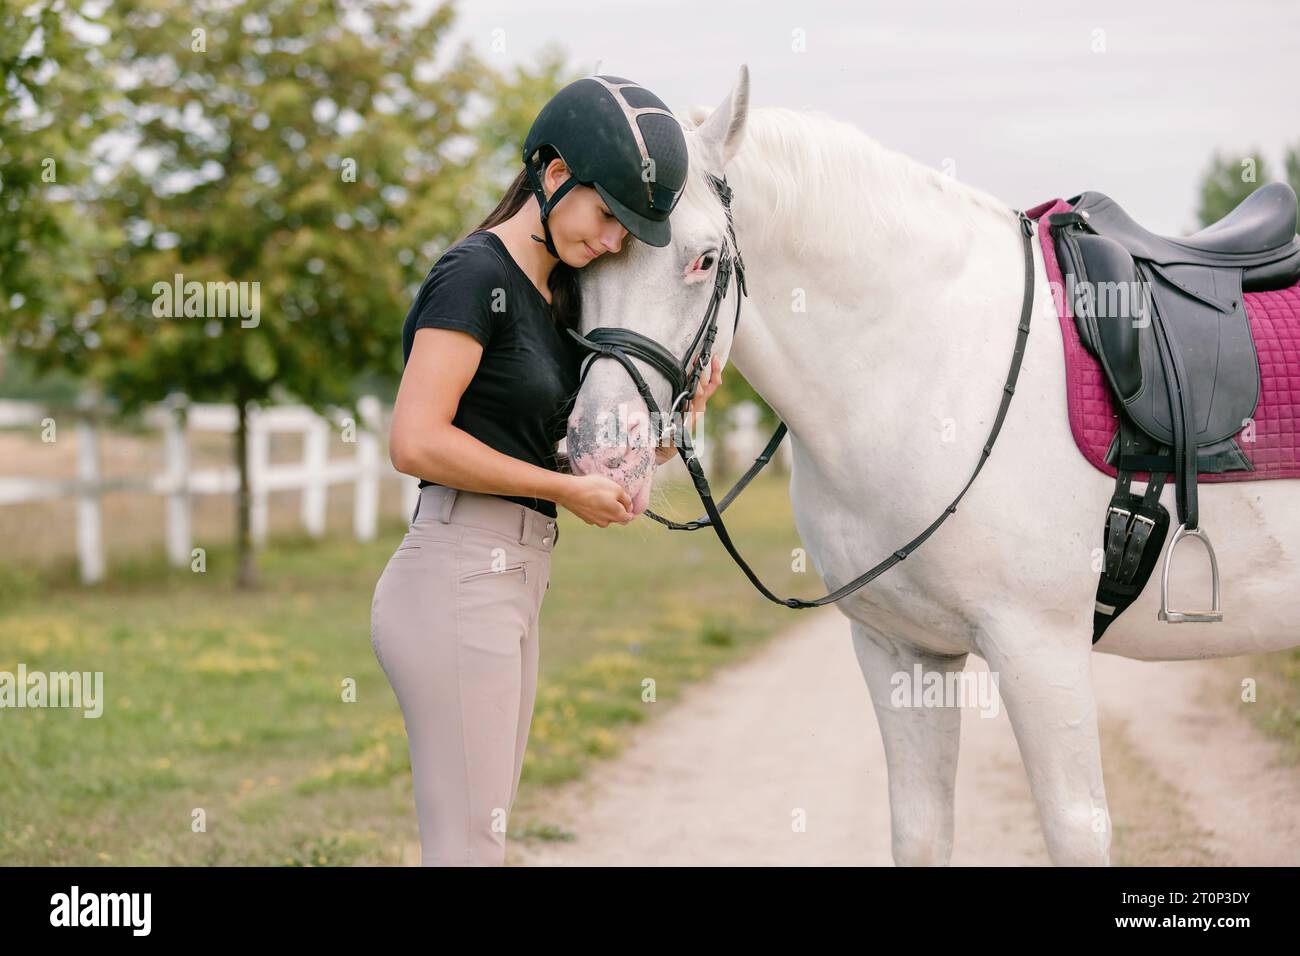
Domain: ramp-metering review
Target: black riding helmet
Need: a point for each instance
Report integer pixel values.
(619, 138)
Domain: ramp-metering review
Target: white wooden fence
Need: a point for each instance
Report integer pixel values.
(178, 483)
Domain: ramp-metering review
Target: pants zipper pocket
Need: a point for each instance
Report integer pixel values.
(513, 567)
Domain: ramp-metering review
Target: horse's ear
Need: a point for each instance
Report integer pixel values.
(723, 130)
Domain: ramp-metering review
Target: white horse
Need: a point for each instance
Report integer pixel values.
(882, 310)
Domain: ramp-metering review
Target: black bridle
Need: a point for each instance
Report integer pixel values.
(684, 376)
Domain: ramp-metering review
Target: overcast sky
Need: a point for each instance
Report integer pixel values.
(1014, 94)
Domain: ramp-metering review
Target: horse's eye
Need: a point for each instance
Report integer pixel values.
(706, 261)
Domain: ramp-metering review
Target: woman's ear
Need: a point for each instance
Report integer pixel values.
(556, 173)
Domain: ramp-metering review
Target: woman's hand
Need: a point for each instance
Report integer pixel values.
(703, 391)
(597, 500)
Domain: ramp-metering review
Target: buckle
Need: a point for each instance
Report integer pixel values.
(722, 188)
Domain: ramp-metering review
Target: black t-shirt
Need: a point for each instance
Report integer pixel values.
(520, 397)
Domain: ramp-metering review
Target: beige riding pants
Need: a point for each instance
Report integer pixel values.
(454, 625)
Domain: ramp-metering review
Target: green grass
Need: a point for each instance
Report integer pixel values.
(229, 736)
(1275, 709)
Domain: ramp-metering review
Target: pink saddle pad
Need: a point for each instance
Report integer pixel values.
(1275, 323)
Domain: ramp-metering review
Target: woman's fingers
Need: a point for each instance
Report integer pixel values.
(707, 386)
(704, 389)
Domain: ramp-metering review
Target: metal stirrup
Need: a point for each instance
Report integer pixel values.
(1214, 614)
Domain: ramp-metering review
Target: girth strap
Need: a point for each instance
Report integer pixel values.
(1136, 526)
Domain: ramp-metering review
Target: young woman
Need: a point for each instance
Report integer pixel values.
(488, 385)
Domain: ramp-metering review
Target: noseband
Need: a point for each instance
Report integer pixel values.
(684, 376)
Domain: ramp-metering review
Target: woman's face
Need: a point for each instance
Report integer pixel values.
(582, 226)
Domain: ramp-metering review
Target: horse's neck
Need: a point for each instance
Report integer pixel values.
(888, 344)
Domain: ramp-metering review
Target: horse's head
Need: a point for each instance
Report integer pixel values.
(662, 294)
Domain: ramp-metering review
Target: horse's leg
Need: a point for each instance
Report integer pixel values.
(920, 748)
(1047, 688)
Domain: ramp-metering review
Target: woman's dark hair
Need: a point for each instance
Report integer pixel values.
(566, 302)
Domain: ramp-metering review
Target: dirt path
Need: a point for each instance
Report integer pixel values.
(717, 779)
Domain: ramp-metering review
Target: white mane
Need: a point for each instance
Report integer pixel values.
(810, 180)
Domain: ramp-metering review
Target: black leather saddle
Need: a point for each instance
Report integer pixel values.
(1166, 319)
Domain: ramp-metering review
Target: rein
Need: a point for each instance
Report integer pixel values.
(617, 343)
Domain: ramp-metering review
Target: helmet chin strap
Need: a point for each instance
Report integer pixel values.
(547, 206)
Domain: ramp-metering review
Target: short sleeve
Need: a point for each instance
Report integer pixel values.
(461, 291)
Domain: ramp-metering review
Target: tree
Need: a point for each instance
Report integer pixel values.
(53, 91)
(292, 170)
(513, 101)
(1228, 181)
